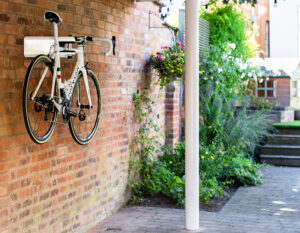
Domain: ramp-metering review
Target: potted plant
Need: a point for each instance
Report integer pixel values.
(169, 63)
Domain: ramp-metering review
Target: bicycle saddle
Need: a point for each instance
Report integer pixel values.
(52, 17)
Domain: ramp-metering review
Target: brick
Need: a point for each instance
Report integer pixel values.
(22, 172)
(45, 165)
(4, 17)
(4, 178)
(3, 190)
(23, 193)
(22, 20)
(32, 1)
(24, 214)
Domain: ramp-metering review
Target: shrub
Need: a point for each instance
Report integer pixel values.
(229, 74)
(229, 25)
(159, 178)
(221, 121)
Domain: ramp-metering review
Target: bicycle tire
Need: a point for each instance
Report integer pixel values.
(33, 75)
(92, 114)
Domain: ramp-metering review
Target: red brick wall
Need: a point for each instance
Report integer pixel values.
(262, 16)
(174, 119)
(61, 186)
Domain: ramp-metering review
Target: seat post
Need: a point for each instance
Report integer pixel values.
(57, 71)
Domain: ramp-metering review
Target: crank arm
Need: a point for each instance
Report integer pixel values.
(58, 106)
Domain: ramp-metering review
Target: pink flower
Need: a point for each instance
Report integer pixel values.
(182, 65)
(164, 47)
(160, 57)
(179, 43)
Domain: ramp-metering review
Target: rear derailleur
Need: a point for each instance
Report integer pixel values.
(43, 101)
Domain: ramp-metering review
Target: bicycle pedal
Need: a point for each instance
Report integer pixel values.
(71, 113)
(81, 115)
(37, 107)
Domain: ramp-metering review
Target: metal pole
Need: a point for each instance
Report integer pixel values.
(192, 115)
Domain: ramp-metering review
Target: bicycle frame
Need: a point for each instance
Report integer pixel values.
(67, 86)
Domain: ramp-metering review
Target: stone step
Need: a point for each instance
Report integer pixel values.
(287, 130)
(281, 160)
(284, 139)
(280, 150)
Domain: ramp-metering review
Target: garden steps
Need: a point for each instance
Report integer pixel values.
(283, 147)
(284, 139)
(281, 160)
(287, 130)
(280, 150)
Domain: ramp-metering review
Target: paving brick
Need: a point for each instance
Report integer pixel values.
(273, 207)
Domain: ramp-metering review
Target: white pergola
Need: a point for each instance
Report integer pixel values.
(191, 114)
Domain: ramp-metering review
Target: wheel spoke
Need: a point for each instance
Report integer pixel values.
(83, 131)
(37, 127)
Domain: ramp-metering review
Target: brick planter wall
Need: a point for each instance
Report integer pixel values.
(61, 186)
(173, 118)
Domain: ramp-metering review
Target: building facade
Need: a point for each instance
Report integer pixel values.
(60, 186)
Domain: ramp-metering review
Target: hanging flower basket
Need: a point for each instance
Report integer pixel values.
(169, 63)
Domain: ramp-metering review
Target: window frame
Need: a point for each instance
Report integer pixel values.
(266, 89)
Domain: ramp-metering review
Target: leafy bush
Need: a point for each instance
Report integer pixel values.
(174, 158)
(229, 25)
(169, 63)
(221, 121)
(159, 178)
(229, 74)
(209, 188)
(218, 169)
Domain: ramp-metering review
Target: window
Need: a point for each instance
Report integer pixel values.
(266, 89)
(294, 88)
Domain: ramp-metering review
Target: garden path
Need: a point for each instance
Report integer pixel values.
(271, 207)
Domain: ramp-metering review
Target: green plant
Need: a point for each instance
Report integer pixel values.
(220, 168)
(221, 121)
(209, 188)
(253, 2)
(229, 25)
(154, 174)
(229, 74)
(174, 158)
(169, 63)
(262, 103)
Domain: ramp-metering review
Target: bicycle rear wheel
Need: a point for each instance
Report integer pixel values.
(39, 114)
(85, 125)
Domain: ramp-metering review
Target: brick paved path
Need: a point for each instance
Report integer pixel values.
(271, 207)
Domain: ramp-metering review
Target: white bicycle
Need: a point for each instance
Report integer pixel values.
(78, 99)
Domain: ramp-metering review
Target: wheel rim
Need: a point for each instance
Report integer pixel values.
(84, 130)
(39, 128)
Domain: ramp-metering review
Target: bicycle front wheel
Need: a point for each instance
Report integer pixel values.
(38, 110)
(85, 125)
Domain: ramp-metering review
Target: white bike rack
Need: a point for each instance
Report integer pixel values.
(36, 45)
